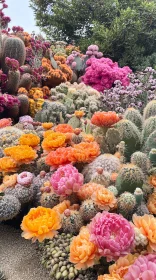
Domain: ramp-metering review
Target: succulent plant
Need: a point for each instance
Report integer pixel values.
(49, 200)
(22, 193)
(126, 204)
(141, 208)
(9, 136)
(51, 112)
(134, 116)
(88, 210)
(148, 127)
(150, 110)
(101, 177)
(9, 207)
(71, 221)
(113, 189)
(141, 160)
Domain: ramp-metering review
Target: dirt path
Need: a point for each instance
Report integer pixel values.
(18, 258)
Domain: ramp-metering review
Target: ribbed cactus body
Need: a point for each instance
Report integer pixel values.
(74, 122)
(126, 204)
(13, 81)
(24, 105)
(26, 81)
(141, 160)
(150, 110)
(12, 112)
(9, 207)
(134, 116)
(13, 48)
(130, 177)
(148, 127)
(152, 156)
(150, 142)
(51, 112)
(130, 134)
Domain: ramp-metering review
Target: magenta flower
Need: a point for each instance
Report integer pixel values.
(112, 234)
(66, 180)
(144, 268)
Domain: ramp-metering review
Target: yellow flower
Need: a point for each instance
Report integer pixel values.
(40, 223)
(29, 139)
(21, 153)
(47, 125)
(53, 141)
(7, 164)
(79, 114)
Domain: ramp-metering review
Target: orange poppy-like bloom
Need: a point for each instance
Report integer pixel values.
(61, 207)
(22, 90)
(46, 92)
(87, 190)
(106, 119)
(30, 139)
(109, 277)
(151, 204)
(5, 122)
(7, 164)
(60, 58)
(79, 114)
(47, 133)
(47, 125)
(88, 137)
(66, 70)
(21, 153)
(85, 152)
(83, 252)
(59, 157)
(53, 141)
(64, 128)
(152, 180)
(104, 199)
(147, 226)
(122, 265)
(8, 181)
(40, 223)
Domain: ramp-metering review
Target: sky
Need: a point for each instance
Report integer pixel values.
(21, 15)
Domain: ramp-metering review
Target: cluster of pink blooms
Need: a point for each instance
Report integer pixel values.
(25, 178)
(66, 180)
(4, 19)
(16, 29)
(26, 119)
(112, 234)
(71, 59)
(102, 73)
(93, 51)
(7, 101)
(143, 268)
(12, 64)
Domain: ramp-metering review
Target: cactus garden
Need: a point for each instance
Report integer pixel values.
(77, 161)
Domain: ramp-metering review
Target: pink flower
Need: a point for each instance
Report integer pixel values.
(112, 234)
(26, 119)
(66, 180)
(144, 268)
(25, 178)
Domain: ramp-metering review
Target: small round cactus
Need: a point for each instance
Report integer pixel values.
(49, 200)
(126, 204)
(101, 177)
(141, 160)
(150, 110)
(9, 207)
(88, 210)
(23, 194)
(113, 189)
(71, 221)
(134, 116)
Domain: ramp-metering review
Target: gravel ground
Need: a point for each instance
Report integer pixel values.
(19, 259)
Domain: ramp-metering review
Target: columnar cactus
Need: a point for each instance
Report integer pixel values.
(134, 116)
(150, 110)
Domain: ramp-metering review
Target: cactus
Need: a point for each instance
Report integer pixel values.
(49, 200)
(126, 204)
(74, 122)
(23, 194)
(141, 208)
(13, 81)
(25, 81)
(88, 210)
(141, 160)
(150, 110)
(101, 177)
(2, 276)
(24, 104)
(129, 177)
(152, 157)
(108, 162)
(113, 189)
(134, 116)
(9, 136)
(130, 134)
(50, 112)
(13, 48)
(150, 142)
(9, 207)
(12, 112)
(71, 221)
(148, 127)
(100, 137)
(112, 139)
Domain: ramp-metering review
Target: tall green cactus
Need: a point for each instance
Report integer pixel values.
(13, 81)
(13, 48)
(150, 110)
(134, 116)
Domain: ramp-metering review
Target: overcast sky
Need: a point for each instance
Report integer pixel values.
(21, 15)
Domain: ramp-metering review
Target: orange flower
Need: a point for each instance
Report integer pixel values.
(109, 277)
(152, 180)
(7, 164)
(53, 141)
(46, 92)
(85, 152)
(64, 128)
(61, 207)
(79, 114)
(104, 199)
(30, 139)
(87, 190)
(106, 119)
(147, 226)
(47, 133)
(8, 181)
(83, 252)
(151, 204)
(40, 223)
(88, 137)
(5, 122)
(114, 177)
(122, 265)
(59, 157)
(47, 125)
(21, 153)
(60, 58)
(22, 90)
